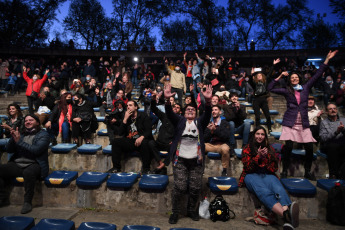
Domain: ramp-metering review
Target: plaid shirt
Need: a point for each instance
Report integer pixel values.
(255, 163)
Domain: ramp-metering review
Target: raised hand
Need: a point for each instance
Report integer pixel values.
(340, 127)
(24, 69)
(167, 91)
(208, 93)
(47, 71)
(276, 61)
(330, 55)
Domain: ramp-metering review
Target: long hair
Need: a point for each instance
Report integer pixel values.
(254, 146)
(255, 78)
(19, 111)
(289, 86)
(63, 103)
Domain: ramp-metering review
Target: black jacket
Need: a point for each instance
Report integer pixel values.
(166, 131)
(232, 114)
(221, 134)
(143, 124)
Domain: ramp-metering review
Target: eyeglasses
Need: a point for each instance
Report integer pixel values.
(190, 110)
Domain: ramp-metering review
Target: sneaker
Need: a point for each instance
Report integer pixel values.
(27, 207)
(113, 170)
(193, 215)
(309, 176)
(288, 226)
(173, 218)
(294, 214)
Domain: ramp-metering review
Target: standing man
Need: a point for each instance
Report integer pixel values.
(177, 81)
(30, 160)
(65, 76)
(332, 134)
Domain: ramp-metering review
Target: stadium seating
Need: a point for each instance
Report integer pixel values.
(16, 223)
(154, 182)
(60, 178)
(89, 148)
(63, 148)
(327, 184)
(96, 226)
(54, 224)
(223, 184)
(91, 179)
(298, 186)
(122, 180)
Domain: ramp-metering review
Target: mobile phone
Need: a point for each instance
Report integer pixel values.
(75, 80)
(257, 69)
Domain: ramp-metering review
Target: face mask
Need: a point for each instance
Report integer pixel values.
(120, 110)
(18, 75)
(329, 82)
(108, 79)
(88, 79)
(168, 79)
(233, 77)
(247, 79)
(342, 87)
(69, 101)
(222, 89)
(34, 77)
(177, 69)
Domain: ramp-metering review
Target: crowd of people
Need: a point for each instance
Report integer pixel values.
(193, 104)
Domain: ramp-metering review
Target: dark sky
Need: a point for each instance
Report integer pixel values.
(319, 6)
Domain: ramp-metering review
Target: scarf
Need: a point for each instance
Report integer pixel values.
(62, 117)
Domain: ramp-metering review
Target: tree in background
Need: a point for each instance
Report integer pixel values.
(279, 24)
(86, 20)
(24, 23)
(179, 36)
(245, 15)
(318, 34)
(338, 7)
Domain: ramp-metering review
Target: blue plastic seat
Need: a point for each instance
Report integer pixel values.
(213, 155)
(22, 108)
(223, 184)
(63, 148)
(4, 117)
(139, 227)
(92, 179)
(96, 109)
(279, 121)
(301, 152)
(274, 112)
(100, 119)
(154, 182)
(107, 149)
(16, 222)
(96, 226)
(102, 132)
(135, 98)
(276, 135)
(163, 153)
(327, 184)
(54, 224)
(264, 122)
(61, 178)
(321, 154)
(277, 147)
(238, 153)
(241, 99)
(247, 104)
(122, 180)
(89, 148)
(237, 136)
(141, 110)
(251, 111)
(298, 186)
(249, 121)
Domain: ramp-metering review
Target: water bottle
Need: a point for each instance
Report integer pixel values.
(203, 209)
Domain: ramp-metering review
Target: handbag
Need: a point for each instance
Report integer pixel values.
(33, 94)
(214, 82)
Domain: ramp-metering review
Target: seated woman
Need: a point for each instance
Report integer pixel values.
(15, 119)
(83, 117)
(60, 119)
(259, 167)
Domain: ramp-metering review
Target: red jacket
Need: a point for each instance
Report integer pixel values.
(36, 86)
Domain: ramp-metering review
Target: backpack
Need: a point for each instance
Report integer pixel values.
(335, 207)
(219, 209)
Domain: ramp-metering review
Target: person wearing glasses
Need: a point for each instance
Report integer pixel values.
(187, 153)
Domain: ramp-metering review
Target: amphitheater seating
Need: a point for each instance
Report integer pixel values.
(63, 148)
(213, 155)
(102, 132)
(100, 119)
(279, 121)
(301, 152)
(54, 224)
(264, 122)
(327, 184)
(238, 153)
(154, 182)
(18, 180)
(163, 153)
(16, 222)
(141, 110)
(238, 136)
(249, 120)
(241, 99)
(23, 108)
(298, 186)
(139, 227)
(122, 180)
(89, 148)
(274, 112)
(96, 226)
(223, 184)
(91, 179)
(60, 178)
(276, 135)
(321, 154)
(96, 109)
(107, 149)
(251, 111)
(5, 117)
(247, 104)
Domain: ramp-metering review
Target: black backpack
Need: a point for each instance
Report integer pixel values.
(336, 205)
(219, 209)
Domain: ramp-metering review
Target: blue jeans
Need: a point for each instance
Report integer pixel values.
(267, 188)
(196, 89)
(65, 130)
(243, 130)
